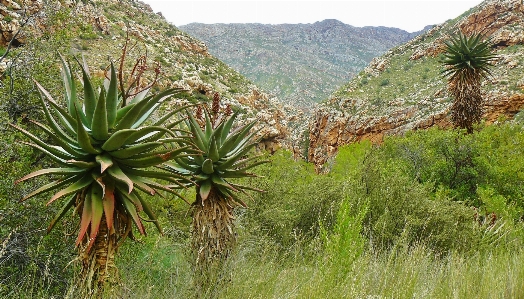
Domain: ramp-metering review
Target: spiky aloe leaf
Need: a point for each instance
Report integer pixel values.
(128, 152)
(141, 108)
(205, 190)
(112, 98)
(83, 138)
(105, 161)
(53, 150)
(82, 164)
(85, 219)
(80, 184)
(227, 127)
(131, 209)
(115, 172)
(99, 123)
(69, 86)
(117, 139)
(68, 147)
(67, 120)
(109, 204)
(66, 207)
(213, 150)
(152, 107)
(56, 159)
(149, 212)
(51, 171)
(97, 211)
(145, 132)
(90, 98)
(207, 166)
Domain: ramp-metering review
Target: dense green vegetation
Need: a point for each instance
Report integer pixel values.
(432, 214)
(413, 217)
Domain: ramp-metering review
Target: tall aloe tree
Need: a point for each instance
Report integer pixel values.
(104, 152)
(224, 158)
(467, 61)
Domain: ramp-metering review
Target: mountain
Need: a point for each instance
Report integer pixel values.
(299, 63)
(97, 30)
(403, 90)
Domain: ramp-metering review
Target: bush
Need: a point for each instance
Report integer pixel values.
(295, 201)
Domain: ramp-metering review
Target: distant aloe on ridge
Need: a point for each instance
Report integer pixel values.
(105, 155)
(467, 61)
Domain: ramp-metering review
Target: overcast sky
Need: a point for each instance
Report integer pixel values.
(410, 15)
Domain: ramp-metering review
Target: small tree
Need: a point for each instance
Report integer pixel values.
(103, 154)
(223, 158)
(467, 61)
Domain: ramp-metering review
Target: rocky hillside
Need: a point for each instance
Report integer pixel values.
(97, 30)
(403, 90)
(299, 63)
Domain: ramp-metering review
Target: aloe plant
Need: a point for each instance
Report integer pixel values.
(224, 158)
(104, 152)
(467, 61)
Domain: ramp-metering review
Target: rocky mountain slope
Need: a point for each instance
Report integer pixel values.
(299, 63)
(403, 89)
(97, 30)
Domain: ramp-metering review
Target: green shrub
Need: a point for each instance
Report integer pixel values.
(295, 200)
(402, 209)
(384, 82)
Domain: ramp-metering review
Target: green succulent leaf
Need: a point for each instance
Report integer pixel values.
(117, 139)
(46, 152)
(90, 98)
(149, 212)
(51, 171)
(133, 150)
(51, 186)
(82, 164)
(112, 98)
(85, 219)
(115, 172)
(131, 209)
(213, 150)
(77, 186)
(109, 203)
(105, 161)
(207, 166)
(68, 121)
(99, 123)
(83, 138)
(205, 190)
(97, 211)
(66, 207)
(52, 150)
(68, 147)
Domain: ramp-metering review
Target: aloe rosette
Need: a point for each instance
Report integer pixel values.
(106, 154)
(224, 156)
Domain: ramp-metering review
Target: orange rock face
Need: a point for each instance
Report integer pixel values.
(334, 124)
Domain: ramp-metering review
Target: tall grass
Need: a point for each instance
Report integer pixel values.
(260, 271)
(385, 223)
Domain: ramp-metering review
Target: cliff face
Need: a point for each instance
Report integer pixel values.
(299, 63)
(403, 90)
(98, 30)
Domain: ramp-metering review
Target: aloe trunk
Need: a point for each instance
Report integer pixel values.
(98, 265)
(213, 239)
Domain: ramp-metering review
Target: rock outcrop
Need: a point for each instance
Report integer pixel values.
(97, 29)
(352, 115)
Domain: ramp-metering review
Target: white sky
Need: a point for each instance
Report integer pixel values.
(410, 15)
